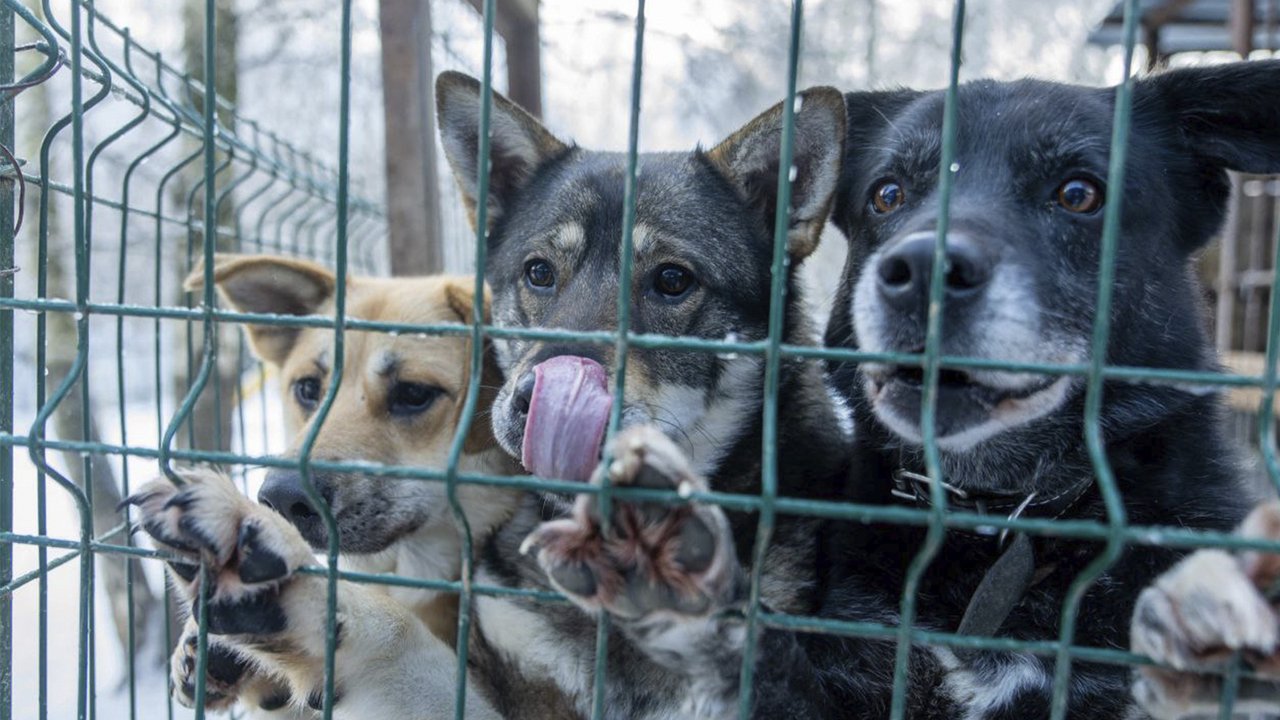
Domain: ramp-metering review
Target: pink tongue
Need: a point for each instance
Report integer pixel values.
(568, 414)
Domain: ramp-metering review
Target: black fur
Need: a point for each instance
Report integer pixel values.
(1017, 143)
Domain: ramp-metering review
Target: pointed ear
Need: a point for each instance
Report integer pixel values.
(461, 295)
(749, 158)
(1228, 115)
(518, 144)
(268, 284)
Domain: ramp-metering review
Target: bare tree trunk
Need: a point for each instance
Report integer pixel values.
(209, 427)
(517, 22)
(413, 195)
(69, 422)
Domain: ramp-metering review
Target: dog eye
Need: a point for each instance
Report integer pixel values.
(407, 398)
(1080, 196)
(672, 281)
(887, 196)
(539, 274)
(307, 391)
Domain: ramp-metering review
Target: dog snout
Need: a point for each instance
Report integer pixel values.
(523, 393)
(904, 271)
(284, 493)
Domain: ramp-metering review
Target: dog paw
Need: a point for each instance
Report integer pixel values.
(249, 550)
(225, 671)
(1198, 614)
(653, 556)
(1201, 611)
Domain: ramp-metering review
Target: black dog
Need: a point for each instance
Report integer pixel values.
(1021, 277)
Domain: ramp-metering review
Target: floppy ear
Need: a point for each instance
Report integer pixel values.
(1228, 115)
(461, 294)
(518, 144)
(268, 284)
(749, 158)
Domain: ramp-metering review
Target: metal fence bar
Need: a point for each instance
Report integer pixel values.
(7, 270)
(483, 149)
(1116, 516)
(780, 274)
(933, 346)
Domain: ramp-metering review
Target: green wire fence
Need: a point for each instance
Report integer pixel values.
(203, 178)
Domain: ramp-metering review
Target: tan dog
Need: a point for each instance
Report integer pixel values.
(399, 403)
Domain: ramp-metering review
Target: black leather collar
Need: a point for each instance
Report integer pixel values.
(1014, 571)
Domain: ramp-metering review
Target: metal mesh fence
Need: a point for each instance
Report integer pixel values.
(205, 179)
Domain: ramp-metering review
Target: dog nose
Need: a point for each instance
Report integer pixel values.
(524, 393)
(903, 273)
(283, 493)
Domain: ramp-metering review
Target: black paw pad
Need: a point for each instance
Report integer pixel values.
(575, 577)
(256, 614)
(650, 477)
(186, 571)
(224, 665)
(697, 545)
(258, 564)
(275, 700)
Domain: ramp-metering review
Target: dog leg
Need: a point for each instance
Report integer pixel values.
(1207, 607)
(387, 664)
(665, 573)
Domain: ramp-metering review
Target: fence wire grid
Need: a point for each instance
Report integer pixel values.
(214, 180)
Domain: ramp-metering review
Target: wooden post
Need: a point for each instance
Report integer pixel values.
(1242, 27)
(517, 22)
(413, 193)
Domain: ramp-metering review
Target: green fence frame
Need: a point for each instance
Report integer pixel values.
(314, 196)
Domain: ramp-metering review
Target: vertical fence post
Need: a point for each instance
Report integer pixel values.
(6, 363)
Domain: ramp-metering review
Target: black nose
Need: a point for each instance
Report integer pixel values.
(283, 492)
(904, 271)
(524, 393)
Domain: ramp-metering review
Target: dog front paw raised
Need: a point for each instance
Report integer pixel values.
(1198, 614)
(653, 557)
(225, 670)
(249, 550)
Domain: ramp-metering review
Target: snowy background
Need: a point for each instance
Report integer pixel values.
(709, 66)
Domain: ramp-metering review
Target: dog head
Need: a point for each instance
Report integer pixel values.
(398, 402)
(703, 244)
(1024, 238)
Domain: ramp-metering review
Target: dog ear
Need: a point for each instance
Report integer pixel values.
(1228, 115)
(268, 284)
(749, 158)
(518, 144)
(461, 295)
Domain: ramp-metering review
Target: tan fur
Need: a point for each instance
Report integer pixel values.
(395, 658)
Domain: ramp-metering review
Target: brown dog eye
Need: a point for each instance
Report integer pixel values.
(407, 398)
(887, 196)
(539, 274)
(1080, 196)
(672, 281)
(307, 391)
